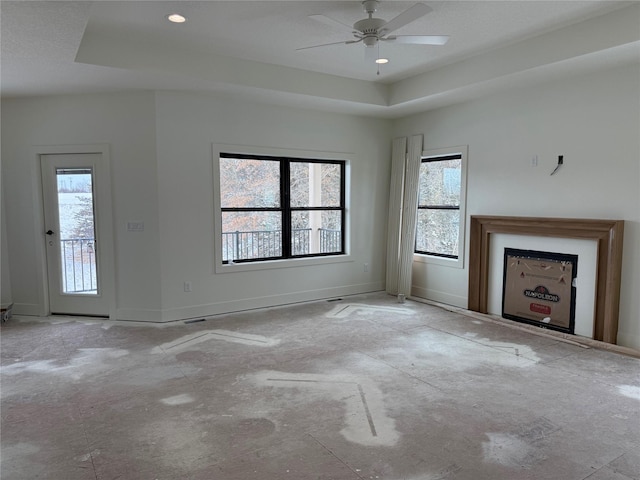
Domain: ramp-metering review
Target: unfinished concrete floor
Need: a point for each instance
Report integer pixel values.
(362, 388)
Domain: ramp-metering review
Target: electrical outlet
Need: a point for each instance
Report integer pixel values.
(534, 161)
(187, 287)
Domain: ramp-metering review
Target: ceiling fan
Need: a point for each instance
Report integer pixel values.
(370, 31)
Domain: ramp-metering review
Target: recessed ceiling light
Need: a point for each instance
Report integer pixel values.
(382, 60)
(176, 18)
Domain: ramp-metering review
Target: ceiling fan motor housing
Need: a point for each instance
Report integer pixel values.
(369, 26)
(369, 30)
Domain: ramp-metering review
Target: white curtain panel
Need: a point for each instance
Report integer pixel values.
(403, 207)
(398, 156)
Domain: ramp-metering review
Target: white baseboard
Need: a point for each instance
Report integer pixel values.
(629, 340)
(231, 306)
(28, 309)
(218, 308)
(441, 297)
(138, 315)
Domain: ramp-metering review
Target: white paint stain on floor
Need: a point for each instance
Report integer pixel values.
(365, 415)
(87, 361)
(181, 399)
(510, 451)
(102, 323)
(516, 349)
(12, 450)
(631, 391)
(344, 310)
(189, 341)
(464, 356)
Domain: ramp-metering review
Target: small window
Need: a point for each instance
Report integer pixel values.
(440, 222)
(279, 207)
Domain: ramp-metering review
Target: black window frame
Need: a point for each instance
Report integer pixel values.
(440, 158)
(286, 209)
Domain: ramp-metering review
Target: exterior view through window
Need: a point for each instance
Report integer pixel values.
(280, 207)
(77, 234)
(438, 224)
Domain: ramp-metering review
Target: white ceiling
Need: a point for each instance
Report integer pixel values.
(248, 48)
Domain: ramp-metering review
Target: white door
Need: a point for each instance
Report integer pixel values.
(75, 259)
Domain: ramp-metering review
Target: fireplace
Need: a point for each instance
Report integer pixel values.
(607, 234)
(538, 288)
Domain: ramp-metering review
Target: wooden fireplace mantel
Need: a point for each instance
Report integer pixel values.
(607, 233)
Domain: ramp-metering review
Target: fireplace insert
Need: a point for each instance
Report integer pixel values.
(538, 288)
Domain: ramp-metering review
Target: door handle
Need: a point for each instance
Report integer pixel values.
(49, 232)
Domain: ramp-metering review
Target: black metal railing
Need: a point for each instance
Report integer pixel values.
(330, 240)
(79, 272)
(300, 241)
(257, 244)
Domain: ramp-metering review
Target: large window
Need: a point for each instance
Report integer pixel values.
(280, 207)
(439, 229)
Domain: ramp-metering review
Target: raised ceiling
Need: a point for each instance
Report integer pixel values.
(248, 48)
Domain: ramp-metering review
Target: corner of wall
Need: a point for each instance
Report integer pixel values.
(5, 280)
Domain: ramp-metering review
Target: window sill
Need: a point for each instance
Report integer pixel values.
(442, 261)
(284, 263)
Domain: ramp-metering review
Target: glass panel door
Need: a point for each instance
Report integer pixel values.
(79, 272)
(72, 234)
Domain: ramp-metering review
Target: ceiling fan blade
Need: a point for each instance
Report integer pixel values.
(332, 22)
(418, 39)
(408, 16)
(328, 44)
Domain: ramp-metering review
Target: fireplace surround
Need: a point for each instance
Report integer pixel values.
(608, 235)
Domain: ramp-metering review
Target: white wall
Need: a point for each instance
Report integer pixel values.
(187, 126)
(162, 175)
(127, 123)
(593, 120)
(6, 297)
(161, 160)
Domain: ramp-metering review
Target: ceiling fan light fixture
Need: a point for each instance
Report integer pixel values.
(370, 41)
(176, 18)
(382, 61)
